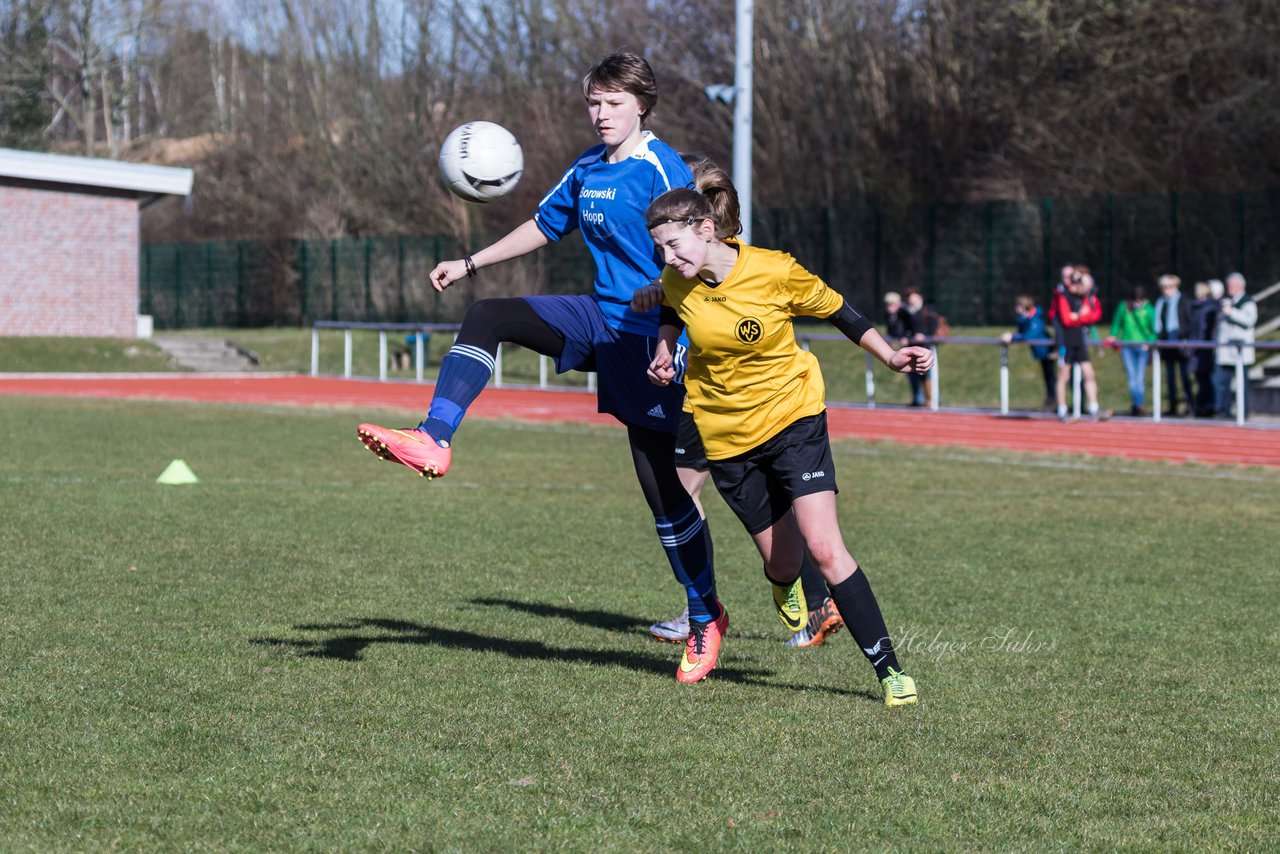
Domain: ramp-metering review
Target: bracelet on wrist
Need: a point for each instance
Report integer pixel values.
(471, 267)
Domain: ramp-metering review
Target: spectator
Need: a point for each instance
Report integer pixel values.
(921, 323)
(1077, 309)
(1204, 322)
(1133, 324)
(898, 327)
(1031, 328)
(1236, 322)
(1173, 323)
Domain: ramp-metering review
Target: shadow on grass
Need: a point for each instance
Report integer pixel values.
(606, 620)
(347, 640)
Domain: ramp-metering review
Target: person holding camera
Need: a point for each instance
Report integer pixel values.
(1076, 309)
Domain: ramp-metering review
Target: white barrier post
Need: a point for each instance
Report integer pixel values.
(591, 381)
(315, 352)
(542, 371)
(933, 375)
(1004, 379)
(871, 383)
(1075, 390)
(497, 368)
(382, 355)
(346, 353)
(420, 353)
(1241, 379)
(1157, 386)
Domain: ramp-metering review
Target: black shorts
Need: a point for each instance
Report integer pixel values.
(690, 454)
(761, 485)
(1075, 354)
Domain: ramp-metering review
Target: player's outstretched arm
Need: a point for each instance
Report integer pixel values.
(521, 240)
(908, 360)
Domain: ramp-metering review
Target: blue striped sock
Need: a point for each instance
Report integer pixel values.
(464, 373)
(684, 538)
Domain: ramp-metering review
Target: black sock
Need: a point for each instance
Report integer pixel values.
(857, 606)
(815, 586)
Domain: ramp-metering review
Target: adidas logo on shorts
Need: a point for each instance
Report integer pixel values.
(656, 412)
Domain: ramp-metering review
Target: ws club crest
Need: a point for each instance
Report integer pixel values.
(749, 330)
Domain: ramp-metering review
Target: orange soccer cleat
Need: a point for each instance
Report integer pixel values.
(411, 446)
(702, 649)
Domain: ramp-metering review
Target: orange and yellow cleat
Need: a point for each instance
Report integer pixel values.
(702, 649)
(411, 446)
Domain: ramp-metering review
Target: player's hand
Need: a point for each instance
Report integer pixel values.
(912, 360)
(661, 370)
(446, 273)
(646, 298)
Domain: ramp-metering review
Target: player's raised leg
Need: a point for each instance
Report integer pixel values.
(464, 372)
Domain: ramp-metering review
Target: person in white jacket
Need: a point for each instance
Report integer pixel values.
(1236, 324)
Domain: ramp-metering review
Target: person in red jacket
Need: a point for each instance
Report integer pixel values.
(1077, 308)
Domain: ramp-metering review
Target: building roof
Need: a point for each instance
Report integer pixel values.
(95, 172)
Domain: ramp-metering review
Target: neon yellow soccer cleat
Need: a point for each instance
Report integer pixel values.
(899, 689)
(788, 601)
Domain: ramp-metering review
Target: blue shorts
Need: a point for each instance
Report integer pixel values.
(620, 360)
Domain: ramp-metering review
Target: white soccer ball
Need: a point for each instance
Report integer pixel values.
(481, 161)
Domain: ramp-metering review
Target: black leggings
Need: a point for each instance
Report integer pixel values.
(490, 322)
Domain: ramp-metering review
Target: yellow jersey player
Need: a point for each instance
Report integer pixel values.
(758, 399)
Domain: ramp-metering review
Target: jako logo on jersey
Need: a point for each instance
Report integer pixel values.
(715, 299)
(810, 475)
(749, 330)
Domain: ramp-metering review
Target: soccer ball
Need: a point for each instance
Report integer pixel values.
(481, 161)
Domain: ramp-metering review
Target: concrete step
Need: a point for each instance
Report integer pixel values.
(207, 355)
(1264, 396)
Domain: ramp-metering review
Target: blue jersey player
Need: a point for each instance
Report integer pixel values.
(604, 195)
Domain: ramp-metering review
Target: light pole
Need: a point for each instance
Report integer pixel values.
(744, 96)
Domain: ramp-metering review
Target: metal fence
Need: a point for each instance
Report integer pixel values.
(806, 337)
(971, 260)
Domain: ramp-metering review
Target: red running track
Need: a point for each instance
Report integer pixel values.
(1181, 441)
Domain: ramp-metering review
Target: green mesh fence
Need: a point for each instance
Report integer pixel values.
(971, 260)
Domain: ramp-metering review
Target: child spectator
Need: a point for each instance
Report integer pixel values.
(1031, 328)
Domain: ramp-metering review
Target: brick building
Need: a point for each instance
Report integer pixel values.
(69, 242)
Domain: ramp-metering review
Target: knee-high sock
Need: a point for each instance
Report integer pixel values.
(815, 586)
(861, 613)
(464, 373)
(684, 538)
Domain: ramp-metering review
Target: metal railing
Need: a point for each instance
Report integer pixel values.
(420, 333)
(1241, 369)
(546, 364)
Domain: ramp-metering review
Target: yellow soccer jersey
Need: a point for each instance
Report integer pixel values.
(747, 377)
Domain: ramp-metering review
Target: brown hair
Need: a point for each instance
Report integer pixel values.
(715, 199)
(1025, 302)
(624, 72)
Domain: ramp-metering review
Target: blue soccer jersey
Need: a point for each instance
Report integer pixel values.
(607, 201)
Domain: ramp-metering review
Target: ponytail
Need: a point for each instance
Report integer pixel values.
(716, 199)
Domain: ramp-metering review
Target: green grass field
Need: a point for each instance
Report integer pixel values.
(312, 650)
